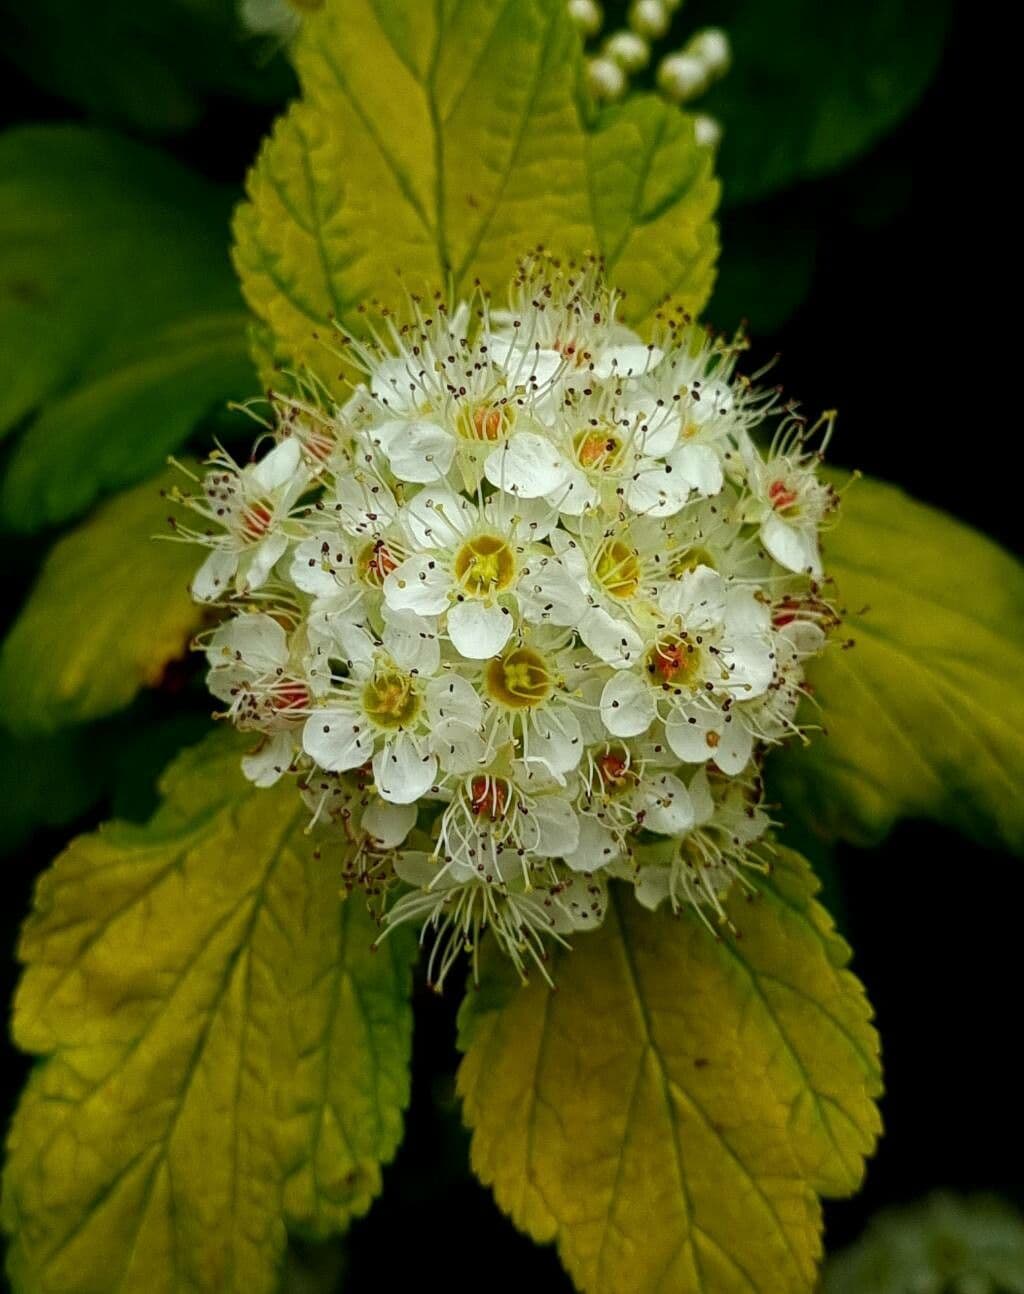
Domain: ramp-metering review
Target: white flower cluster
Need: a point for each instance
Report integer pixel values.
(522, 612)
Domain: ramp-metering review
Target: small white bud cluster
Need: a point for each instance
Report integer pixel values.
(681, 77)
(523, 611)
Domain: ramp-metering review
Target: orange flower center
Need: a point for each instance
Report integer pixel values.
(781, 496)
(488, 798)
(291, 695)
(256, 519)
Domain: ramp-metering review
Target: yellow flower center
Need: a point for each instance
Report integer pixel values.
(390, 699)
(617, 568)
(484, 565)
(690, 560)
(520, 679)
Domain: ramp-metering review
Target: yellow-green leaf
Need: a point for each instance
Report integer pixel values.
(110, 610)
(215, 1030)
(924, 716)
(670, 1113)
(439, 143)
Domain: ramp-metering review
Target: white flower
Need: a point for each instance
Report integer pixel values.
(622, 791)
(251, 504)
(471, 562)
(700, 867)
(788, 501)
(374, 714)
(522, 613)
(457, 913)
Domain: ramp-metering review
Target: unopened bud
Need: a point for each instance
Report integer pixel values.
(682, 77)
(606, 79)
(587, 16)
(630, 51)
(649, 18)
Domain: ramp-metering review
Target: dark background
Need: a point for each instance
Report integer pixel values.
(897, 331)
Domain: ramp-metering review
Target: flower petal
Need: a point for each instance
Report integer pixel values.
(264, 558)
(698, 597)
(402, 774)
(411, 640)
(688, 735)
(558, 829)
(627, 707)
(478, 630)
(548, 594)
(554, 741)
(735, 746)
(652, 886)
(598, 846)
(452, 699)
(213, 579)
(438, 518)
(614, 641)
(278, 468)
(420, 584)
(337, 739)
(700, 467)
(791, 546)
(315, 563)
(668, 809)
(388, 824)
(527, 465)
(656, 491)
(264, 765)
(257, 639)
(581, 905)
(417, 450)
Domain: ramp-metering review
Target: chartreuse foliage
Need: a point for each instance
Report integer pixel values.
(439, 141)
(224, 1055)
(120, 322)
(924, 715)
(670, 1114)
(110, 611)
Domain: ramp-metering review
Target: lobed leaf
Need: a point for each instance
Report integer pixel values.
(670, 1114)
(213, 1028)
(434, 144)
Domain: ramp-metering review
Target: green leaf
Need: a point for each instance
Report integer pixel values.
(441, 142)
(669, 1113)
(965, 1246)
(110, 610)
(120, 321)
(216, 1030)
(150, 66)
(924, 715)
(47, 782)
(811, 86)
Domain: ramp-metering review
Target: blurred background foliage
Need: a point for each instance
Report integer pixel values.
(128, 132)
